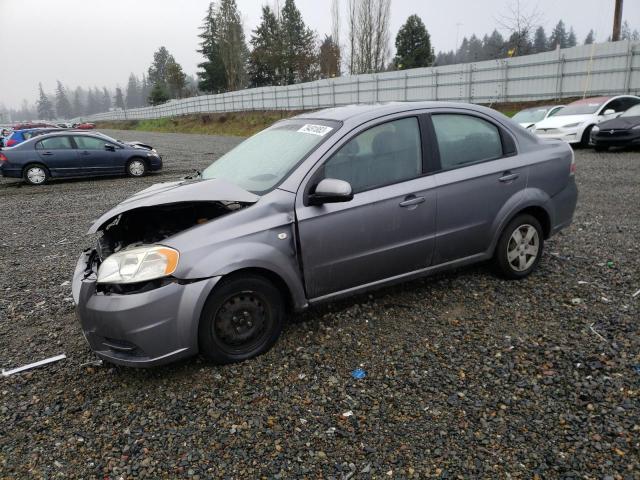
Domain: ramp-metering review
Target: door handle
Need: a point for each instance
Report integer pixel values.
(412, 200)
(47, 153)
(508, 177)
(86, 153)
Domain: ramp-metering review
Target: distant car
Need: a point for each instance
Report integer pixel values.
(75, 154)
(623, 131)
(85, 126)
(574, 122)
(22, 126)
(528, 117)
(19, 136)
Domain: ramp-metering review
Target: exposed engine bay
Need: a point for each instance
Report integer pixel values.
(147, 225)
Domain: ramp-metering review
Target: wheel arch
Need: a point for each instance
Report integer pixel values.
(536, 210)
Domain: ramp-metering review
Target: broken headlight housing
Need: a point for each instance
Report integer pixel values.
(138, 264)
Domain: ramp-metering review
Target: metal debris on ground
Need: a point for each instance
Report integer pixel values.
(594, 331)
(6, 373)
(358, 374)
(636, 294)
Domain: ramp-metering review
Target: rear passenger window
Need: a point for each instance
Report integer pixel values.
(383, 155)
(463, 139)
(54, 143)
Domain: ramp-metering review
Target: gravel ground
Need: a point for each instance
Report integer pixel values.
(467, 375)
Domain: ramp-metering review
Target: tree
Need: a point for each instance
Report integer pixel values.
(78, 102)
(158, 69)
(571, 38)
(106, 100)
(475, 49)
(45, 107)
(176, 79)
(494, 46)
(63, 105)
(558, 36)
(413, 45)
(231, 43)
(265, 59)
(211, 76)
(299, 44)
(540, 41)
(368, 35)
(145, 90)
(133, 92)
(94, 101)
(329, 58)
(590, 38)
(159, 94)
(519, 22)
(119, 99)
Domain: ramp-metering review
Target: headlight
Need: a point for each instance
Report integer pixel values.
(571, 125)
(154, 154)
(138, 264)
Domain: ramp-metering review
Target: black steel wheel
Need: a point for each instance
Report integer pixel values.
(242, 318)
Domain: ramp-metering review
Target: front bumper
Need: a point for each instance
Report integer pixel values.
(140, 329)
(569, 135)
(616, 138)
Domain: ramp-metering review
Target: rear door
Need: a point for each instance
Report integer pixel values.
(94, 156)
(59, 156)
(479, 171)
(388, 228)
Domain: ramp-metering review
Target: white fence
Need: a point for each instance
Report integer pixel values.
(599, 69)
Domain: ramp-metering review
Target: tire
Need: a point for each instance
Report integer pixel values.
(136, 167)
(601, 148)
(35, 174)
(242, 318)
(513, 259)
(585, 141)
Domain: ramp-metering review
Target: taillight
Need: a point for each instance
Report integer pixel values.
(3, 158)
(572, 167)
(11, 142)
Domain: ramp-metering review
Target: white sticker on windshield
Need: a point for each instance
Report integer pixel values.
(315, 129)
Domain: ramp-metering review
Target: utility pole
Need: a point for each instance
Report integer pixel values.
(617, 21)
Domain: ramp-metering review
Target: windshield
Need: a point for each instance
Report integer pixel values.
(261, 162)
(632, 112)
(530, 115)
(582, 108)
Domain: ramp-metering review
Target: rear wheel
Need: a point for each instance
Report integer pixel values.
(136, 167)
(35, 174)
(520, 247)
(586, 137)
(241, 319)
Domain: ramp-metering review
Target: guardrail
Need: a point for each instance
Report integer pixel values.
(599, 69)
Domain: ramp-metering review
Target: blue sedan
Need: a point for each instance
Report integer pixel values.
(75, 154)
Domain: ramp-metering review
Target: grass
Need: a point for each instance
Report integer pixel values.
(244, 124)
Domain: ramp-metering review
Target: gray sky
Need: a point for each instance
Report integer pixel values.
(99, 42)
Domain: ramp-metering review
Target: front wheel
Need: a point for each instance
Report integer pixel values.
(241, 319)
(586, 137)
(520, 247)
(136, 167)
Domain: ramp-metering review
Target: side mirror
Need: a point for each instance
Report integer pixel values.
(331, 190)
(609, 111)
(109, 148)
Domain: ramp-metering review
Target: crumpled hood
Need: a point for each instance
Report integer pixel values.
(562, 120)
(213, 190)
(620, 123)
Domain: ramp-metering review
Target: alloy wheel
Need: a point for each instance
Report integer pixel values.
(523, 247)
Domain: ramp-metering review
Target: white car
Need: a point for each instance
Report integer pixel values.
(574, 122)
(528, 117)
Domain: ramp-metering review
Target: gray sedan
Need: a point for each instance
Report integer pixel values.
(317, 207)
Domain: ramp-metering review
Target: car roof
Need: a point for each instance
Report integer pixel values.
(364, 112)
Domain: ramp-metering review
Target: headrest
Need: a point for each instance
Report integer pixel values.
(385, 142)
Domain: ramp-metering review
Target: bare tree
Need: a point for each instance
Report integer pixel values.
(520, 22)
(381, 34)
(368, 35)
(353, 35)
(335, 22)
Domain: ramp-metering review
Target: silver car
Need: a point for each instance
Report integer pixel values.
(317, 207)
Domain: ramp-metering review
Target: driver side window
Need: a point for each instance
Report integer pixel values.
(383, 155)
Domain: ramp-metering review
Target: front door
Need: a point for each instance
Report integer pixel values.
(58, 154)
(387, 229)
(93, 156)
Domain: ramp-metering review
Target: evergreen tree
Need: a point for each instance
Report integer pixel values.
(625, 31)
(475, 49)
(211, 76)
(493, 46)
(540, 42)
(158, 69)
(45, 107)
(558, 36)
(176, 79)
(159, 94)
(145, 90)
(329, 58)
(571, 39)
(299, 44)
(231, 43)
(94, 101)
(590, 38)
(462, 55)
(265, 60)
(133, 92)
(519, 45)
(119, 99)
(106, 100)
(78, 102)
(63, 105)
(413, 45)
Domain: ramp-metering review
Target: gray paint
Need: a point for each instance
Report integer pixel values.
(332, 250)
